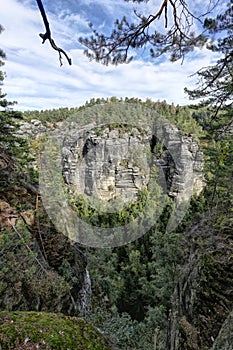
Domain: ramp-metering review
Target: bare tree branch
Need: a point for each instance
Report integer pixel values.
(47, 34)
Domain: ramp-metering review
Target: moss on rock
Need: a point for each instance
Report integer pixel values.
(40, 330)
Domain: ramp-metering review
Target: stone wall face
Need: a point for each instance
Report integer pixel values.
(31, 129)
(182, 162)
(202, 302)
(108, 162)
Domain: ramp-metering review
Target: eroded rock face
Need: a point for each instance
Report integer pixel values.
(224, 340)
(31, 129)
(108, 162)
(201, 316)
(181, 161)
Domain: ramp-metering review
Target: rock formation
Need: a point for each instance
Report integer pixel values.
(201, 314)
(115, 160)
(108, 161)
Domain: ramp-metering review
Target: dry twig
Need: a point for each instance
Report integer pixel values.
(47, 34)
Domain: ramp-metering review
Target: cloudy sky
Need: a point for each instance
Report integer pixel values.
(36, 80)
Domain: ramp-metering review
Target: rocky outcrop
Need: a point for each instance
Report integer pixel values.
(41, 330)
(115, 161)
(109, 161)
(106, 162)
(31, 129)
(224, 340)
(181, 161)
(200, 318)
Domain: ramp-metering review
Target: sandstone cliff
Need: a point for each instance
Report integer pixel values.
(201, 314)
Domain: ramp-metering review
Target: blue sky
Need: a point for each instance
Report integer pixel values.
(36, 80)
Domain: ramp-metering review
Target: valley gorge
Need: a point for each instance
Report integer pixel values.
(110, 162)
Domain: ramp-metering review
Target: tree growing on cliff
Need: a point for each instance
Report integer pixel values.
(12, 147)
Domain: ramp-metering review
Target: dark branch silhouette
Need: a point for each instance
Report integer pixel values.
(47, 34)
(178, 39)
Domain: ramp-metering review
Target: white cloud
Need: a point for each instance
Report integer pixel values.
(36, 81)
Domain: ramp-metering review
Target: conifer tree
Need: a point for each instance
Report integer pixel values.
(12, 147)
(7, 115)
(141, 31)
(215, 86)
(215, 83)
